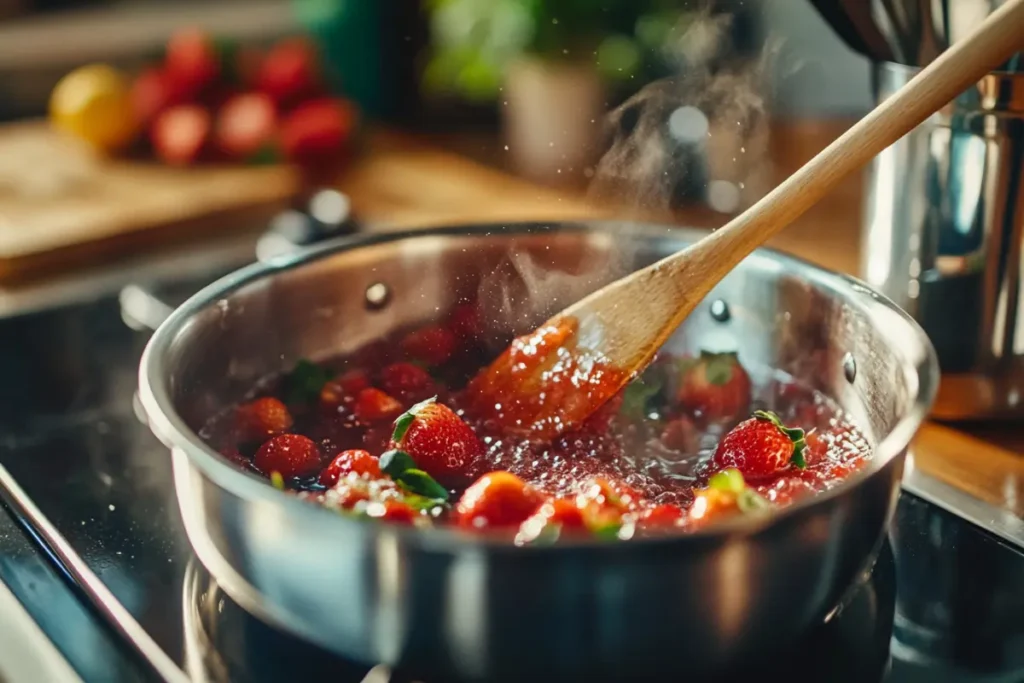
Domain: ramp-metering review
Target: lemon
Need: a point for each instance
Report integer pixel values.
(94, 103)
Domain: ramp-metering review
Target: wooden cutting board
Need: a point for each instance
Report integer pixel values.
(61, 205)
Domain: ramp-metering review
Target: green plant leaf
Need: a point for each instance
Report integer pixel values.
(607, 532)
(277, 481)
(730, 480)
(394, 462)
(421, 483)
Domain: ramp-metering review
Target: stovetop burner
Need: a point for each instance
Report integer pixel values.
(224, 644)
(71, 440)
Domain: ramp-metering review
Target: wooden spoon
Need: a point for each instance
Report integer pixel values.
(555, 378)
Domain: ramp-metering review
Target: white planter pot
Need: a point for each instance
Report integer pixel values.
(553, 116)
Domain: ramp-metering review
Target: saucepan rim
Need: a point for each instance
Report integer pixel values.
(171, 429)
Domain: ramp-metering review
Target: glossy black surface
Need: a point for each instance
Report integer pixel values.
(70, 436)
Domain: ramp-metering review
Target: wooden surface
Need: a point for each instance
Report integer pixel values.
(62, 206)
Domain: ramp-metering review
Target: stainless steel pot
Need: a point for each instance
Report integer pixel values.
(451, 606)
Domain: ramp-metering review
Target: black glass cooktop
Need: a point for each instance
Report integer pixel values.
(944, 603)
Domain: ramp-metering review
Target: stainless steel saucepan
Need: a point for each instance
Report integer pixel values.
(450, 606)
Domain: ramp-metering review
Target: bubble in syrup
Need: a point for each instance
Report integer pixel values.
(849, 367)
(720, 311)
(377, 296)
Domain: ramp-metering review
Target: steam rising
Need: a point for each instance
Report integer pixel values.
(699, 135)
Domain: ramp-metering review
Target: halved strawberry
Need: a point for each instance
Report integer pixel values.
(191, 62)
(262, 418)
(432, 345)
(373, 405)
(290, 72)
(246, 125)
(407, 382)
(152, 93)
(355, 460)
(497, 500)
(716, 386)
(760, 447)
(317, 132)
(180, 133)
(437, 439)
(289, 455)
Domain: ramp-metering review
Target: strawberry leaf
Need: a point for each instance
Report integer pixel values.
(639, 393)
(422, 484)
(405, 420)
(277, 481)
(718, 367)
(393, 463)
(304, 383)
(730, 480)
(607, 532)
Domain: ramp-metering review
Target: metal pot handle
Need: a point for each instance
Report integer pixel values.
(326, 215)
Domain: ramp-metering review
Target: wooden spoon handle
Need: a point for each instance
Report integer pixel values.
(956, 69)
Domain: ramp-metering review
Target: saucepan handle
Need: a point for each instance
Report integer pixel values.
(326, 215)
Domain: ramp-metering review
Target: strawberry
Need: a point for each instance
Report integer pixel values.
(358, 461)
(406, 381)
(373, 405)
(179, 134)
(289, 72)
(262, 418)
(245, 126)
(152, 93)
(464, 321)
(317, 132)
(191, 62)
(289, 455)
(432, 345)
(680, 434)
(437, 439)
(497, 500)
(760, 447)
(716, 386)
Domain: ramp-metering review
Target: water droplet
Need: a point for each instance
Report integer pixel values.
(377, 296)
(849, 367)
(720, 311)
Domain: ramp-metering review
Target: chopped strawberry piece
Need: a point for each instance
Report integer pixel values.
(606, 494)
(262, 418)
(191, 62)
(290, 455)
(373, 405)
(317, 132)
(290, 72)
(437, 439)
(433, 345)
(497, 500)
(245, 125)
(760, 448)
(564, 512)
(355, 460)
(662, 516)
(343, 390)
(179, 135)
(407, 381)
(715, 386)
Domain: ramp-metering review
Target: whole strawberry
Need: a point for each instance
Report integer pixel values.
(760, 447)
(716, 386)
(437, 439)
